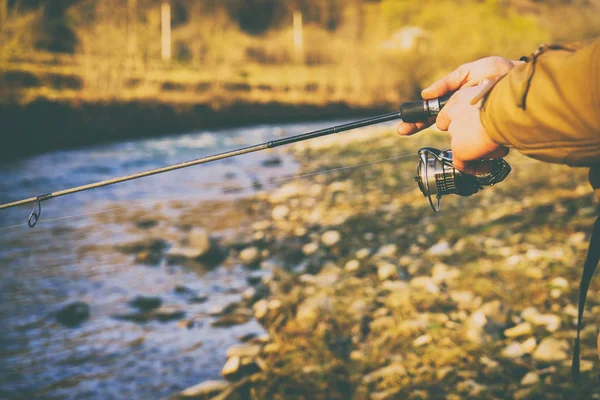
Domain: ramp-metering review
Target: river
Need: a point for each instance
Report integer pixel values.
(44, 268)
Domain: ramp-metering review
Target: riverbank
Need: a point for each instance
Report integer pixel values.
(44, 125)
(366, 294)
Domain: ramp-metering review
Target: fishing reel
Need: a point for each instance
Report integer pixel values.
(437, 176)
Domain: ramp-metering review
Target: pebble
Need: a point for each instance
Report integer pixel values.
(392, 370)
(442, 273)
(426, 283)
(528, 345)
(330, 238)
(474, 327)
(231, 367)
(534, 273)
(530, 378)
(512, 351)
(523, 329)
(243, 350)
(352, 266)
(199, 239)
(559, 283)
(389, 250)
(279, 213)
(249, 255)
(260, 309)
(362, 254)
(441, 248)
(551, 350)
(387, 271)
(422, 340)
(73, 314)
(310, 248)
(309, 310)
(205, 389)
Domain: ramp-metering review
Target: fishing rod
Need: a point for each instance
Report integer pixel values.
(436, 174)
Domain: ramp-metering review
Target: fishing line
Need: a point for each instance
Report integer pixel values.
(225, 190)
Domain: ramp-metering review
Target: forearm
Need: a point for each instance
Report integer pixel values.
(561, 118)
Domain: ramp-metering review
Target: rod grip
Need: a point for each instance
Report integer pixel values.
(421, 111)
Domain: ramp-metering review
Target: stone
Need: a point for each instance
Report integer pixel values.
(389, 250)
(441, 248)
(243, 350)
(559, 283)
(530, 378)
(330, 238)
(255, 277)
(550, 321)
(272, 161)
(146, 223)
(309, 310)
(422, 340)
(231, 367)
(512, 351)
(279, 213)
(474, 327)
(73, 314)
(551, 350)
(529, 345)
(442, 273)
(260, 309)
(352, 266)
(199, 239)
(387, 271)
(231, 320)
(185, 324)
(146, 303)
(425, 283)
(362, 254)
(463, 298)
(148, 257)
(168, 313)
(310, 248)
(392, 371)
(534, 273)
(249, 255)
(149, 244)
(472, 388)
(523, 329)
(205, 389)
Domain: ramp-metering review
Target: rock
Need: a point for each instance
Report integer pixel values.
(148, 257)
(551, 350)
(231, 367)
(73, 314)
(523, 329)
(249, 255)
(243, 350)
(205, 389)
(441, 248)
(426, 283)
(279, 213)
(146, 223)
(474, 327)
(352, 266)
(168, 313)
(442, 273)
(389, 250)
(362, 254)
(330, 238)
(272, 161)
(512, 351)
(292, 189)
(231, 320)
(472, 388)
(260, 309)
(145, 303)
(329, 275)
(463, 298)
(256, 277)
(559, 283)
(422, 340)
(149, 244)
(387, 271)
(534, 273)
(392, 371)
(530, 378)
(199, 239)
(309, 310)
(185, 323)
(529, 345)
(310, 248)
(199, 299)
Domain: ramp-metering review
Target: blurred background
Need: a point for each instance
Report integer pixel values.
(316, 271)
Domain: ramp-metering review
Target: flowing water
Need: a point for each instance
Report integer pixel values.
(43, 269)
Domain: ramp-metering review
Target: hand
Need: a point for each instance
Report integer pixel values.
(468, 139)
(466, 75)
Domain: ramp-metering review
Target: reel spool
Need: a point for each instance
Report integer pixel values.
(437, 176)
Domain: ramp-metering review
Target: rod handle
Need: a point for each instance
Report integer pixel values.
(421, 111)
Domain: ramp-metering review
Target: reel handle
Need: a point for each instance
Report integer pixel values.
(420, 111)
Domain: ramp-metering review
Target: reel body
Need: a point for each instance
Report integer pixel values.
(437, 176)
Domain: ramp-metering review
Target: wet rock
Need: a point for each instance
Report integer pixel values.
(387, 271)
(198, 299)
(530, 378)
(146, 303)
(523, 329)
(205, 389)
(309, 310)
(512, 351)
(330, 238)
(280, 212)
(273, 161)
(154, 245)
(362, 254)
(529, 345)
(185, 324)
(162, 314)
(73, 314)
(146, 223)
(352, 266)
(310, 248)
(474, 331)
(392, 371)
(249, 256)
(441, 248)
(389, 250)
(551, 350)
(200, 240)
(422, 340)
(260, 309)
(243, 350)
(425, 283)
(231, 320)
(231, 367)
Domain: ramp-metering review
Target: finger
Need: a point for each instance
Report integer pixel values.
(444, 117)
(410, 128)
(449, 83)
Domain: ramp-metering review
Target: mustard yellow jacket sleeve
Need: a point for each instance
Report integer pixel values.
(560, 122)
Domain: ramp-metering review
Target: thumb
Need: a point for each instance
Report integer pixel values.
(449, 83)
